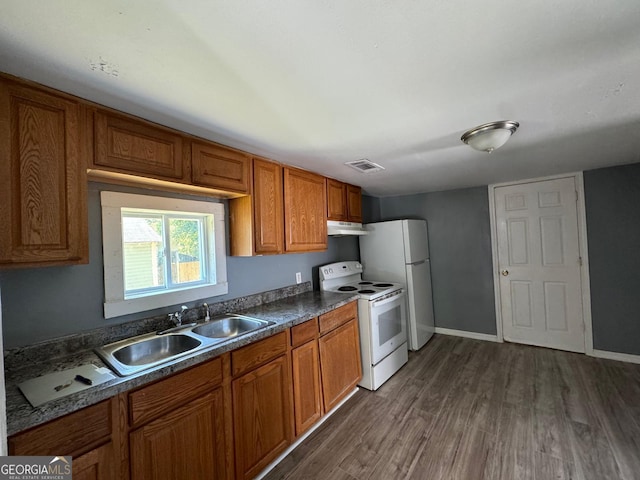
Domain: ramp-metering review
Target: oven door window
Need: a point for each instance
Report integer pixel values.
(388, 326)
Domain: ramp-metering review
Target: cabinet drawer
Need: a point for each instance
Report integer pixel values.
(73, 434)
(154, 400)
(137, 147)
(304, 332)
(337, 317)
(256, 354)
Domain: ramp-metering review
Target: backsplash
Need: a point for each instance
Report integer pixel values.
(67, 345)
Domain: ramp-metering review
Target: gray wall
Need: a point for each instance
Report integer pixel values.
(459, 236)
(612, 197)
(44, 303)
(460, 249)
(370, 209)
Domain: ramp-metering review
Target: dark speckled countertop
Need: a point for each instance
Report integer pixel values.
(285, 313)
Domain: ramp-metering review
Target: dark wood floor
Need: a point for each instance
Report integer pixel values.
(466, 409)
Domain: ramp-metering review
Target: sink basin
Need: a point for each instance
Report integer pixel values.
(133, 355)
(130, 356)
(155, 349)
(229, 327)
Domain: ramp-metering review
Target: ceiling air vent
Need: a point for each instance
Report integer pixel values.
(365, 166)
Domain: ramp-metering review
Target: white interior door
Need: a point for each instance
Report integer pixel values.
(539, 264)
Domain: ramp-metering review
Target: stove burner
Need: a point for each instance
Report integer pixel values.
(383, 285)
(347, 289)
(365, 283)
(366, 291)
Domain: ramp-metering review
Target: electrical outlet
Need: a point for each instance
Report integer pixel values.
(298, 277)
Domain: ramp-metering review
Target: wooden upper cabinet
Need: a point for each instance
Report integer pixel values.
(336, 200)
(344, 201)
(256, 222)
(268, 210)
(354, 203)
(220, 167)
(305, 211)
(128, 145)
(43, 191)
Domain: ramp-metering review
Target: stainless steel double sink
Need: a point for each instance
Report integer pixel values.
(142, 352)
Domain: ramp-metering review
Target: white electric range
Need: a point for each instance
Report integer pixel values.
(381, 319)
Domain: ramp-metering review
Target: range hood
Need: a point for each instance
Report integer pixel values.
(341, 229)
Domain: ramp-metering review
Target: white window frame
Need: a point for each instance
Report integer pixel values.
(115, 303)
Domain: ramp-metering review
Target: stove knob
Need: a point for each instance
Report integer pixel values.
(358, 266)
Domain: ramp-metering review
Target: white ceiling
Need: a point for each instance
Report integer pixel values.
(317, 84)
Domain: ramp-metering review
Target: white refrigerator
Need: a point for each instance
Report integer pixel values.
(398, 251)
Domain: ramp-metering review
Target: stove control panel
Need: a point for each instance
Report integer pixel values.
(340, 269)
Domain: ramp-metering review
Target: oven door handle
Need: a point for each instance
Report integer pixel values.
(380, 303)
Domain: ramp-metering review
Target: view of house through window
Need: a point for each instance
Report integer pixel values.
(161, 250)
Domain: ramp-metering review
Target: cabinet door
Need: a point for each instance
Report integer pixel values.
(186, 443)
(307, 397)
(43, 193)
(262, 416)
(98, 464)
(305, 211)
(267, 207)
(340, 363)
(336, 200)
(132, 146)
(219, 167)
(354, 203)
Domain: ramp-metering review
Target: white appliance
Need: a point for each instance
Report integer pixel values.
(381, 320)
(398, 250)
(341, 229)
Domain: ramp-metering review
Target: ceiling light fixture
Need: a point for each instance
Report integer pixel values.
(488, 137)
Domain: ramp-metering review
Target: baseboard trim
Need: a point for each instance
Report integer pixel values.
(620, 357)
(463, 333)
(293, 446)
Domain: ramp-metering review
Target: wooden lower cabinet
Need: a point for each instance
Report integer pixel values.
(228, 417)
(261, 416)
(340, 362)
(187, 443)
(89, 435)
(307, 394)
(97, 464)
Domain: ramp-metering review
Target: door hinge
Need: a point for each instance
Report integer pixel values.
(580, 261)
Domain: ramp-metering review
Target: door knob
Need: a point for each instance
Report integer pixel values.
(504, 273)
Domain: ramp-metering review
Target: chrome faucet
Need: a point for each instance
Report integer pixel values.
(207, 317)
(177, 317)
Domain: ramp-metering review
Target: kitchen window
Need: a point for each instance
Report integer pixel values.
(160, 251)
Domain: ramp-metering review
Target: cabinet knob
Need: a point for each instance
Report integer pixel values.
(504, 273)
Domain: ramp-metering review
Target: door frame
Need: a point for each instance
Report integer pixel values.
(582, 248)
